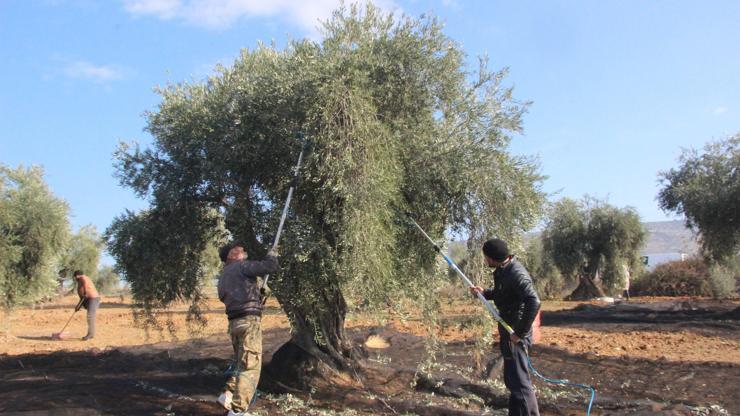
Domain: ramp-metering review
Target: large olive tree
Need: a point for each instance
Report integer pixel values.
(394, 121)
(595, 243)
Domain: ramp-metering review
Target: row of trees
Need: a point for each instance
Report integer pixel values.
(37, 249)
(596, 245)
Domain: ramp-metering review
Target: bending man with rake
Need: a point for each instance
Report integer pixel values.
(90, 300)
(515, 297)
(239, 290)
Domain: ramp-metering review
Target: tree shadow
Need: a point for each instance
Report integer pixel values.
(103, 305)
(107, 382)
(38, 338)
(696, 320)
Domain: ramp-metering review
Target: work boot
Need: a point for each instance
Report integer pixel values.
(225, 399)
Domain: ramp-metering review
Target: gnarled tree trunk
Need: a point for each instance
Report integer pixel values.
(589, 287)
(318, 352)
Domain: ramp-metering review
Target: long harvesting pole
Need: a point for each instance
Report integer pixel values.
(296, 169)
(287, 201)
(492, 309)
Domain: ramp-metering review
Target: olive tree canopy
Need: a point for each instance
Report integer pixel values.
(34, 231)
(83, 253)
(705, 188)
(394, 121)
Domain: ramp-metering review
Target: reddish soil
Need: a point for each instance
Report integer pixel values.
(650, 356)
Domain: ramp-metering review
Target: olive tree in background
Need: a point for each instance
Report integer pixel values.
(395, 121)
(541, 266)
(82, 253)
(705, 188)
(34, 231)
(595, 243)
(107, 280)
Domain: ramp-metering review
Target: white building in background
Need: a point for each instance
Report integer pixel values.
(650, 260)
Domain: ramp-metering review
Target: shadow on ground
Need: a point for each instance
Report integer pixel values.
(184, 378)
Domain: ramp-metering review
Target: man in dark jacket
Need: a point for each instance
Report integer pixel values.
(514, 295)
(239, 290)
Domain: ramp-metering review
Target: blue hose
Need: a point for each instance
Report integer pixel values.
(563, 383)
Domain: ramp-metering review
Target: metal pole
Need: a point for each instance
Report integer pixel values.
(491, 308)
(287, 201)
(296, 169)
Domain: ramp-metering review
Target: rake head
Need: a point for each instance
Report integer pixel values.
(59, 335)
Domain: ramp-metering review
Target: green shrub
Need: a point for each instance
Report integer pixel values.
(723, 278)
(548, 280)
(677, 278)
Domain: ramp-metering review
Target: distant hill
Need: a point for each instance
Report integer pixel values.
(663, 237)
(670, 237)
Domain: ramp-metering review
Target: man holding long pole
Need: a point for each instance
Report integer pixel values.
(244, 297)
(517, 301)
(239, 290)
(513, 292)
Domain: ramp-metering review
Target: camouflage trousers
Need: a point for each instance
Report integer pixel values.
(246, 338)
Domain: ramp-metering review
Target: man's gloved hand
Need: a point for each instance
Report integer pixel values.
(273, 252)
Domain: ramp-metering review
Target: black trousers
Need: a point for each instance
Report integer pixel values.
(522, 401)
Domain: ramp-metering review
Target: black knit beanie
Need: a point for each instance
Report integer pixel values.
(496, 249)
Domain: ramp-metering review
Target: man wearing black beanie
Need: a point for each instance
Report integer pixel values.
(514, 295)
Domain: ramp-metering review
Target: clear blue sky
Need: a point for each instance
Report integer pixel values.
(618, 87)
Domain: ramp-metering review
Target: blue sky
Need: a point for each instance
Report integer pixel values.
(619, 87)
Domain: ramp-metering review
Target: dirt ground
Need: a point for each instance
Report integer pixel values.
(676, 356)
